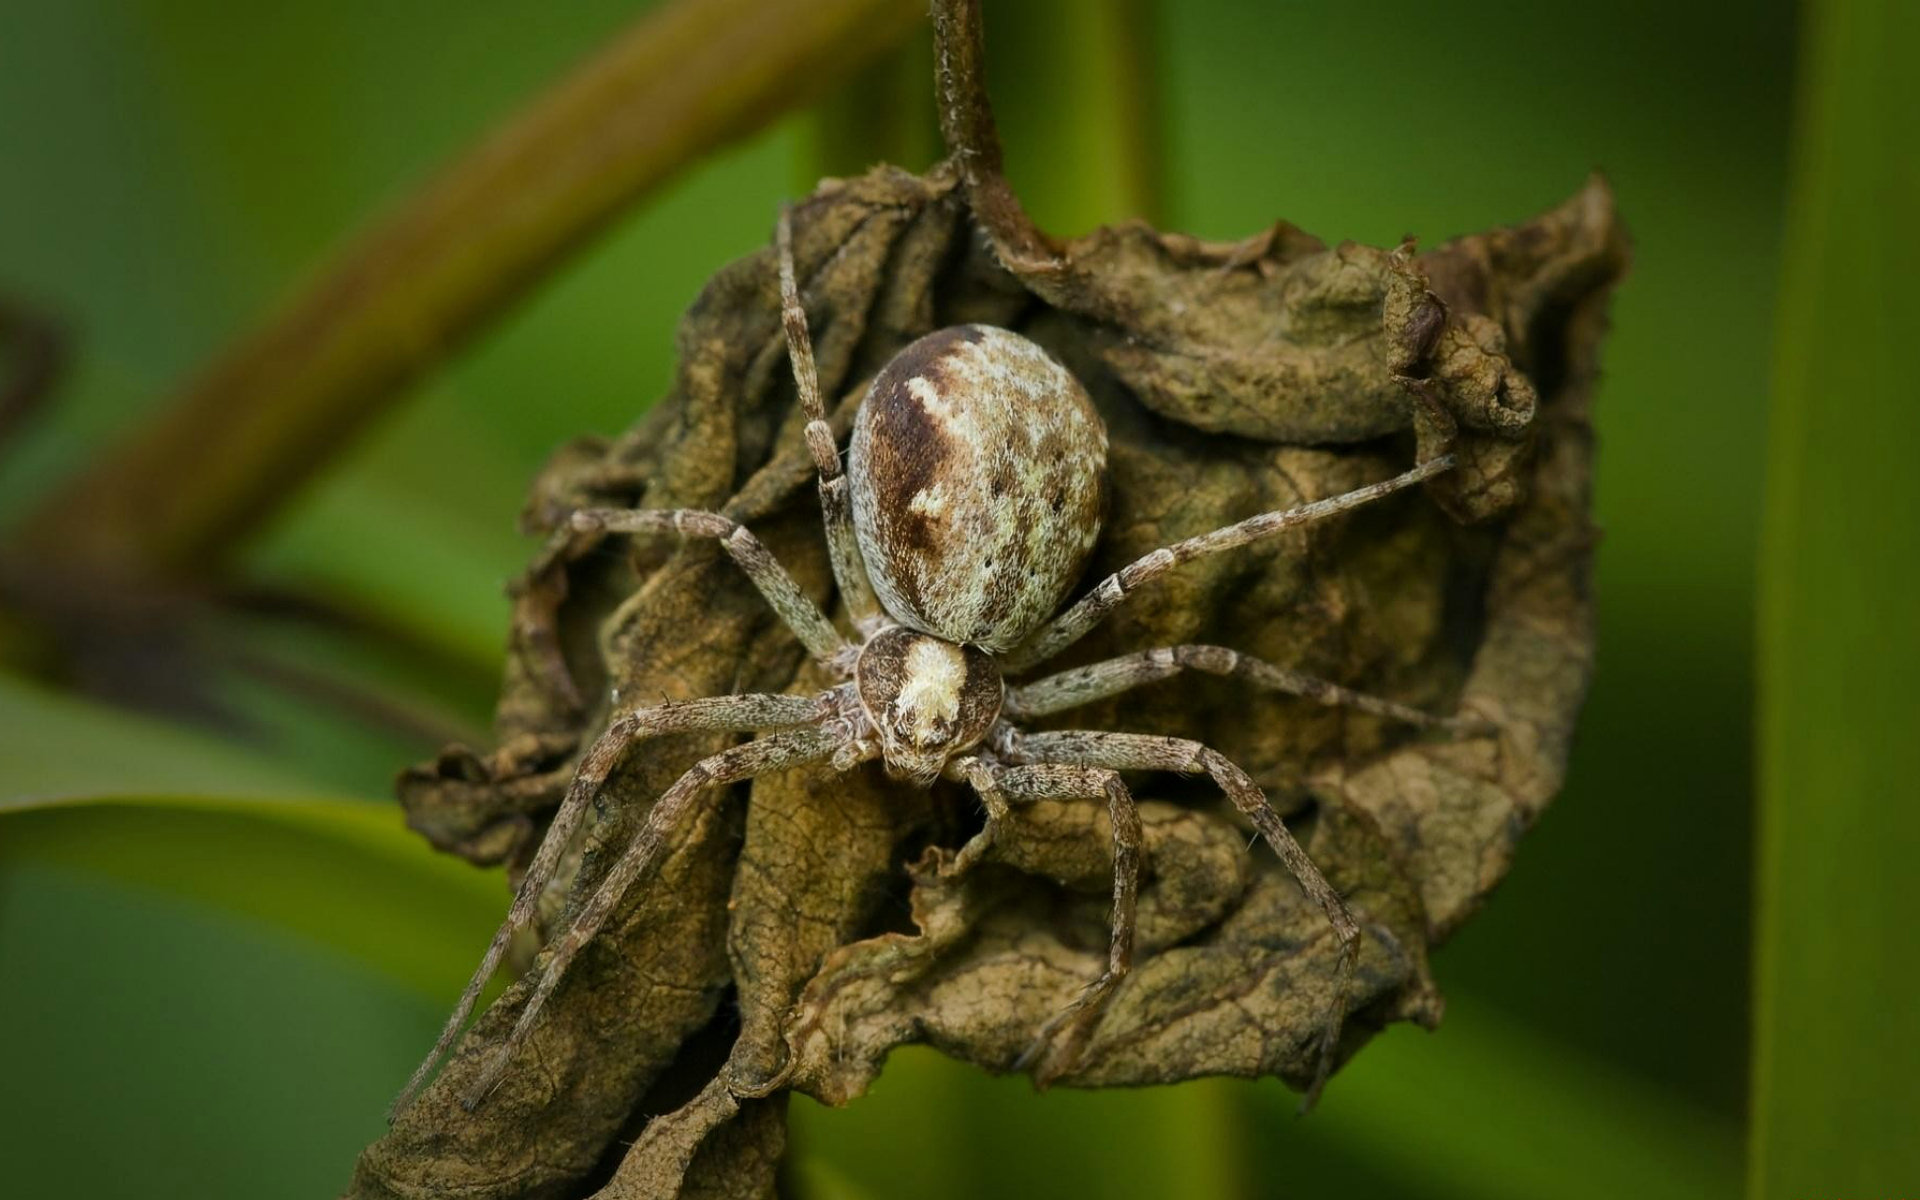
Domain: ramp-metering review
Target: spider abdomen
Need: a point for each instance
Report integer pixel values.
(977, 469)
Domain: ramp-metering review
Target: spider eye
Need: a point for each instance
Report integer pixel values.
(937, 732)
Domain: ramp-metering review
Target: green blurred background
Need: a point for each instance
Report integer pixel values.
(211, 996)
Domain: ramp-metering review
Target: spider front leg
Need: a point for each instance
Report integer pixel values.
(777, 752)
(836, 504)
(1000, 786)
(1098, 681)
(792, 605)
(1073, 624)
(537, 595)
(585, 474)
(1144, 752)
(745, 713)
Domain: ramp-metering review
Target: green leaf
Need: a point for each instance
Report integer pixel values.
(345, 874)
(1837, 1030)
(56, 745)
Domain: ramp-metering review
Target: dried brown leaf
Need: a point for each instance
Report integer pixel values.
(848, 914)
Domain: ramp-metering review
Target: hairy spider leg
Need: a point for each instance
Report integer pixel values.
(743, 713)
(1146, 752)
(836, 505)
(540, 590)
(792, 605)
(1001, 785)
(1098, 681)
(1073, 624)
(537, 595)
(776, 752)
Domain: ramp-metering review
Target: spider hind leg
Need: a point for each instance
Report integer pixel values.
(1145, 752)
(742, 713)
(1061, 1043)
(762, 756)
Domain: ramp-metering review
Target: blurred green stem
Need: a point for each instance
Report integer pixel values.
(227, 451)
(885, 113)
(1837, 1028)
(1077, 87)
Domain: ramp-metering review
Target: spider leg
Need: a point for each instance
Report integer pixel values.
(792, 605)
(1074, 1025)
(836, 506)
(1145, 752)
(1097, 681)
(1071, 625)
(539, 591)
(537, 595)
(743, 713)
(776, 752)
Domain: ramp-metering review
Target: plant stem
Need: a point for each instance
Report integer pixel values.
(237, 441)
(1088, 80)
(973, 140)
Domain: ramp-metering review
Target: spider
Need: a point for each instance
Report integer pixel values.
(971, 500)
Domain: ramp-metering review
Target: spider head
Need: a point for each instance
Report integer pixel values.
(928, 698)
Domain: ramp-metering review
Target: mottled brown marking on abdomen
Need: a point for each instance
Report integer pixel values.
(978, 468)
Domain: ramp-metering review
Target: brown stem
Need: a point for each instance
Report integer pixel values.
(966, 121)
(180, 492)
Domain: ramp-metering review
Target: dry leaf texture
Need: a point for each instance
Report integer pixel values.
(803, 927)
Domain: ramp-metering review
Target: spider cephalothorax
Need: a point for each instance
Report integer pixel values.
(972, 501)
(927, 698)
